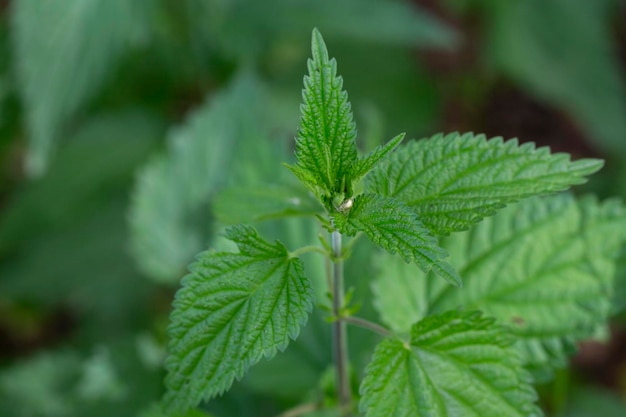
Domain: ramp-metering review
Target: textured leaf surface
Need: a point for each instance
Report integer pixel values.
(544, 267)
(395, 228)
(233, 310)
(366, 163)
(64, 52)
(454, 181)
(455, 364)
(325, 146)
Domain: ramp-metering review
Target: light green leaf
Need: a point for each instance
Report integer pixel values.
(455, 364)
(233, 310)
(366, 163)
(395, 228)
(170, 217)
(325, 146)
(237, 205)
(544, 267)
(562, 51)
(454, 181)
(65, 50)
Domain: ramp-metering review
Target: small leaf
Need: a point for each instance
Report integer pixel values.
(233, 310)
(454, 181)
(456, 364)
(544, 267)
(365, 164)
(325, 146)
(395, 228)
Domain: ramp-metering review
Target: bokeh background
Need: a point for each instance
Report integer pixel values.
(124, 123)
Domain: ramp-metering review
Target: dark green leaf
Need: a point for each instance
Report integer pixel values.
(395, 228)
(454, 181)
(233, 310)
(325, 146)
(544, 267)
(455, 364)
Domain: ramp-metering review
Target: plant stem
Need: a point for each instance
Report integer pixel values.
(366, 324)
(340, 341)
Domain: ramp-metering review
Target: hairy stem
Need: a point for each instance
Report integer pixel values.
(340, 341)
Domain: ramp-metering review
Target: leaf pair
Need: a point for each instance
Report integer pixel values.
(327, 157)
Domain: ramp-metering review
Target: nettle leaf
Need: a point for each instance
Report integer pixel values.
(65, 50)
(454, 181)
(455, 364)
(233, 310)
(366, 163)
(325, 146)
(544, 267)
(395, 228)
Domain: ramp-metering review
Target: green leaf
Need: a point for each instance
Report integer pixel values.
(169, 216)
(544, 268)
(365, 164)
(561, 51)
(325, 146)
(454, 181)
(233, 310)
(395, 228)
(65, 51)
(458, 363)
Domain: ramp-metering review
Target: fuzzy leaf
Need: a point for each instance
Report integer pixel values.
(395, 228)
(455, 364)
(233, 310)
(454, 181)
(65, 50)
(325, 146)
(366, 163)
(544, 267)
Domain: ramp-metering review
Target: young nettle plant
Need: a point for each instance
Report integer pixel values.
(537, 277)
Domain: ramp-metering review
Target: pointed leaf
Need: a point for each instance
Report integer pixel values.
(395, 228)
(456, 364)
(325, 146)
(544, 267)
(366, 163)
(454, 181)
(233, 310)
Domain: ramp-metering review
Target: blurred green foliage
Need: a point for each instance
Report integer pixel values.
(128, 129)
